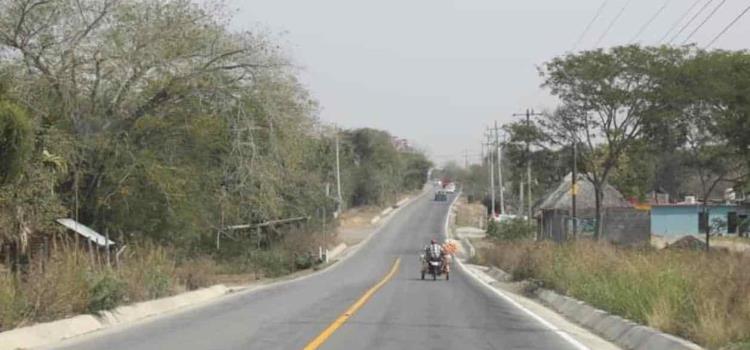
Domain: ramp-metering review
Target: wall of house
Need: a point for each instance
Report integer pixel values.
(626, 226)
(674, 221)
(678, 221)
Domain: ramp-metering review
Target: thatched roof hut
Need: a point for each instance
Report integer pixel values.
(560, 197)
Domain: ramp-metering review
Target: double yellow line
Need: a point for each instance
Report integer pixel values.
(328, 332)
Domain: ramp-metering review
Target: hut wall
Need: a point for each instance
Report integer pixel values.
(625, 226)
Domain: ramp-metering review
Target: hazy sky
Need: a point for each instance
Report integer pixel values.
(438, 71)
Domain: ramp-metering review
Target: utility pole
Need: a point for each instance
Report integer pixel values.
(492, 175)
(466, 159)
(520, 198)
(338, 176)
(499, 154)
(574, 189)
(482, 154)
(529, 113)
(500, 179)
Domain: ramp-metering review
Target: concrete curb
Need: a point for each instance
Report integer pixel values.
(48, 333)
(137, 311)
(386, 211)
(499, 275)
(470, 247)
(375, 220)
(336, 251)
(402, 201)
(618, 330)
(389, 210)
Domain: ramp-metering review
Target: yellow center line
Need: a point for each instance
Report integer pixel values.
(328, 332)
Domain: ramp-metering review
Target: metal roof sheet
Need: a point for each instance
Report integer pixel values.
(86, 232)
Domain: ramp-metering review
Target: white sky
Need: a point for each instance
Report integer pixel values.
(438, 71)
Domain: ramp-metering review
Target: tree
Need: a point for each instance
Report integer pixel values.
(609, 97)
(154, 121)
(15, 140)
(548, 165)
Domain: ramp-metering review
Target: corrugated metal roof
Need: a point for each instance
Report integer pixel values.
(86, 232)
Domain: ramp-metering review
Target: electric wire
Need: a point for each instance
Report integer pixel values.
(650, 21)
(704, 21)
(677, 23)
(588, 26)
(728, 27)
(612, 23)
(691, 20)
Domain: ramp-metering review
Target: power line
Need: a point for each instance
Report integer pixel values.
(651, 20)
(727, 27)
(612, 23)
(704, 21)
(588, 26)
(677, 23)
(691, 20)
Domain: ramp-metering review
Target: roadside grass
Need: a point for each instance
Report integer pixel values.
(470, 214)
(699, 296)
(69, 282)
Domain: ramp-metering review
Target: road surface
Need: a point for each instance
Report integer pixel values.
(405, 313)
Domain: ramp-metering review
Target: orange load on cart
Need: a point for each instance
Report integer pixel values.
(450, 247)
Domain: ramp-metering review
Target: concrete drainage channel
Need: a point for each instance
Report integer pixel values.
(48, 333)
(624, 333)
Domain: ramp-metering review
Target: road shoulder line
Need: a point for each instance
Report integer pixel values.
(502, 295)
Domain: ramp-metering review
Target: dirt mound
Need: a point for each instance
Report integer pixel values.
(688, 242)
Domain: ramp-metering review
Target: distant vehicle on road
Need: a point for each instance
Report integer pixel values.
(441, 196)
(450, 188)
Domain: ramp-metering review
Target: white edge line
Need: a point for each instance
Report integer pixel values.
(538, 318)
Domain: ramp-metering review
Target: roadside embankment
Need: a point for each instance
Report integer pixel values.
(691, 294)
(356, 224)
(576, 270)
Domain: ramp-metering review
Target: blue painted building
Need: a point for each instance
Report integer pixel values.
(677, 220)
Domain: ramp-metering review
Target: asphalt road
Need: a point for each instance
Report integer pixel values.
(406, 313)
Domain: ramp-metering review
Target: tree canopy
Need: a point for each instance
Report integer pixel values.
(153, 120)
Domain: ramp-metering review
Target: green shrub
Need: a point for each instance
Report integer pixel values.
(272, 262)
(16, 136)
(12, 303)
(106, 292)
(510, 230)
(157, 282)
(304, 261)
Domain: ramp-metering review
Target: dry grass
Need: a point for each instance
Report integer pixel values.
(735, 244)
(69, 283)
(703, 297)
(470, 214)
